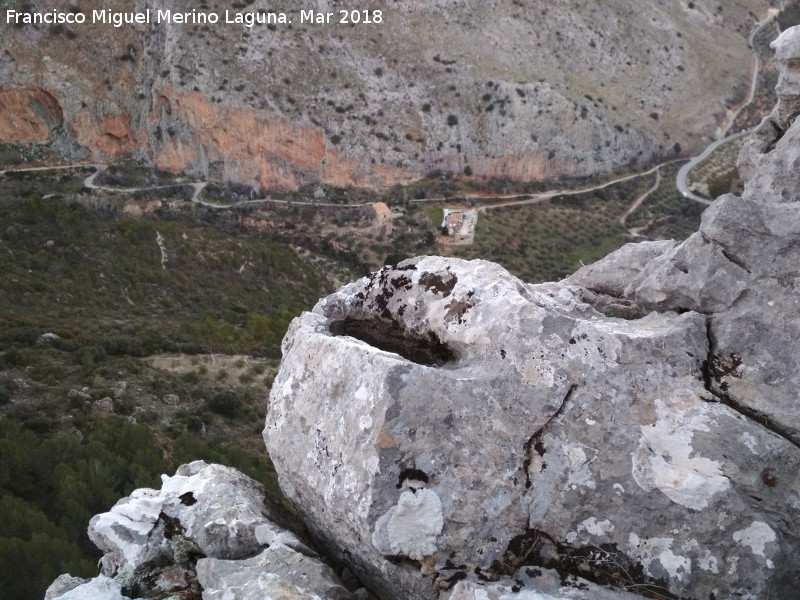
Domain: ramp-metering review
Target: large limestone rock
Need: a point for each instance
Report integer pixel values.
(483, 411)
(443, 422)
(206, 532)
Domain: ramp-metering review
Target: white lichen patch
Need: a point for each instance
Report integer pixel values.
(708, 562)
(654, 551)
(580, 474)
(411, 527)
(591, 526)
(538, 372)
(757, 536)
(664, 459)
(750, 442)
(576, 456)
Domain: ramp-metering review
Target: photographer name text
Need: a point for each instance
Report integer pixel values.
(194, 17)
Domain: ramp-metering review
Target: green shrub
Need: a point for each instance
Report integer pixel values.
(6, 391)
(226, 404)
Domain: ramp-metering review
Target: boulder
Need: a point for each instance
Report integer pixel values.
(277, 572)
(535, 584)
(99, 588)
(206, 531)
(439, 412)
(63, 584)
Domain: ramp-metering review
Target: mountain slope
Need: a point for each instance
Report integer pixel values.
(523, 90)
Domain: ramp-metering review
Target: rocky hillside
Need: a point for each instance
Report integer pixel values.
(449, 432)
(515, 89)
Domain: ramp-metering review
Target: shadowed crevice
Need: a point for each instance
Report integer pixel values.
(715, 368)
(424, 349)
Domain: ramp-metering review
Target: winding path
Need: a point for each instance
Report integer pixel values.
(638, 202)
(683, 174)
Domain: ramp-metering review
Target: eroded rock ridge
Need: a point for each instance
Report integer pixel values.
(206, 532)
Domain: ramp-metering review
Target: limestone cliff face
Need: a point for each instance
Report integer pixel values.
(28, 115)
(242, 144)
(514, 91)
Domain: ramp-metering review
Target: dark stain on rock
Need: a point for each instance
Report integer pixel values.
(402, 282)
(454, 579)
(539, 447)
(172, 525)
(535, 441)
(603, 564)
(187, 499)
(768, 479)
(720, 366)
(456, 311)
(412, 475)
(436, 283)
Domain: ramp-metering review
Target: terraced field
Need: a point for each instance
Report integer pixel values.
(717, 174)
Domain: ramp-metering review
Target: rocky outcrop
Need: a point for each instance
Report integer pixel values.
(206, 531)
(740, 269)
(441, 424)
(484, 411)
(764, 170)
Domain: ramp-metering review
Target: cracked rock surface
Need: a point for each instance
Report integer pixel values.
(659, 454)
(206, 533)
(741, 269)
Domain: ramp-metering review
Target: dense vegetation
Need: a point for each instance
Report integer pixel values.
(548, 241)
(99, 283)
(666, 214)
(84, 415)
